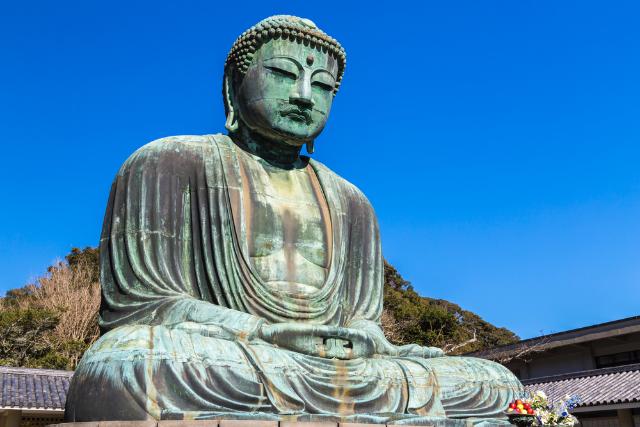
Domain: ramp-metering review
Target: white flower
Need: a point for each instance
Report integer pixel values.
(541, 394)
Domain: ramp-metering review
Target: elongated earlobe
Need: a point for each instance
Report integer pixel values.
(310, 147)
(232, 120)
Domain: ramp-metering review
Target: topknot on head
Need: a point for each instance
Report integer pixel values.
(296, 29)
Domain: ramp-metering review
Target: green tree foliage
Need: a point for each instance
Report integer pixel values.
(22, 337)
(85, 258)
(411, 318)
(50, 323)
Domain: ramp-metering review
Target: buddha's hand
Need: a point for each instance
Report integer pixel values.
(415, 350)
(385, 348)
(331, 342)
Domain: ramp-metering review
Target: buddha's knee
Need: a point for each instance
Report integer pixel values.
(102, 376)
(472, 387)
(470, 369)
(152, 368)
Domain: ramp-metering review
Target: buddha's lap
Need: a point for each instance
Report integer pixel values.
(156, 369)
(139, 344)
(173, 345)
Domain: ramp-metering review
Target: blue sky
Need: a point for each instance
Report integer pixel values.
(499, 141)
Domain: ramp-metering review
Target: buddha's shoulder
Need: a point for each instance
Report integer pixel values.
(190, 144)
(179, 150)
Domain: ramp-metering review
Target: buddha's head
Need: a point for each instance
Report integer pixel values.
(280, 79)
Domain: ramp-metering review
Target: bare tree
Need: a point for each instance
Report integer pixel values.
(520, 351)
(71, 292)
(392, 327)
(452, 347)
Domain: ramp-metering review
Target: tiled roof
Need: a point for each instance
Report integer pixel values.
(33, 388)
(597, 387)
(616, 328)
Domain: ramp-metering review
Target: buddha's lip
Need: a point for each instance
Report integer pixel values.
(297, 115)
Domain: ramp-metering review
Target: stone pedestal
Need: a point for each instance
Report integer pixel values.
(214, 423)
(263, 423)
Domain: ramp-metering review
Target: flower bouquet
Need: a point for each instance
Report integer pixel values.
(536, 409)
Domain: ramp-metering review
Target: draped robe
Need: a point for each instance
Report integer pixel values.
(181, 306)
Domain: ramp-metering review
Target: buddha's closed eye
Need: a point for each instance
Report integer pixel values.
(281, 72)
(322, 85)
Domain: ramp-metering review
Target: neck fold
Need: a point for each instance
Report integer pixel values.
(278, 153)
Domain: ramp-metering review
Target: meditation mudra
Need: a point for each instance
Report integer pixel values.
(243, 280)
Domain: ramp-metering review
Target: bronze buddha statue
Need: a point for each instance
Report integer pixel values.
(243, 280)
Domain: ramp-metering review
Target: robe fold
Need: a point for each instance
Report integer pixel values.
(181, 305)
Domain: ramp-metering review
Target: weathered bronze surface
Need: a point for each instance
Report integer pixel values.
(242, 280)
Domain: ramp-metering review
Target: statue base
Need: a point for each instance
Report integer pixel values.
(422, 422)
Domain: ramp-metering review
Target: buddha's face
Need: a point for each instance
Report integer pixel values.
(286, 93)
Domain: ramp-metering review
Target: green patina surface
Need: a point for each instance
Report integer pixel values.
(243, 280)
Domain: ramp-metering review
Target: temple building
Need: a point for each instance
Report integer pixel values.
(32, 397)
(598, 363)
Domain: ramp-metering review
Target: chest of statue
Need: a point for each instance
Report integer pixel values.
(286, 225)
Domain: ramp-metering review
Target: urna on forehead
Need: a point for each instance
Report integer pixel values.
(284, 27)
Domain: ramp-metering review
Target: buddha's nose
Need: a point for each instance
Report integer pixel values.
(301, 95)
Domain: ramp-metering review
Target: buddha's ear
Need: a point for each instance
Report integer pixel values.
(229, 98)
